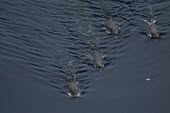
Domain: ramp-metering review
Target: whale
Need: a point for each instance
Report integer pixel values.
(152, 29)
(98, 62)
(73, 89)
(111, 26)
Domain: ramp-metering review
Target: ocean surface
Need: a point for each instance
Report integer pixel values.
(42, 42)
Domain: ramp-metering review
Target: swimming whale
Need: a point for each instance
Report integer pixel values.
(111, 26)
(153, 31)
(98, 62)
(73, 89)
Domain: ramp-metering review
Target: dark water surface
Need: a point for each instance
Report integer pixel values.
(40, 39)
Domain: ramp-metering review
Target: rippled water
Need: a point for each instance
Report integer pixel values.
(42, 43)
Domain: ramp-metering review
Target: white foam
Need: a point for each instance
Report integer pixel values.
(148, 79)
